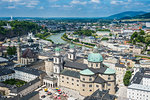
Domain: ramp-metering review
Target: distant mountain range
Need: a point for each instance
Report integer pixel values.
(143, 16)
(126, 15)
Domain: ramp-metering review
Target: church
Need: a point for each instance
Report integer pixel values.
(85, 78)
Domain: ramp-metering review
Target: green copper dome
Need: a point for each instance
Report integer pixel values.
(57, 49)
(95, 57)
(86, 72)
(109, 71)
(95, 47)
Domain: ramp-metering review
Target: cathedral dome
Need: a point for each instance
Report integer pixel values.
(95, 57)
(57, 49)
(86, 72)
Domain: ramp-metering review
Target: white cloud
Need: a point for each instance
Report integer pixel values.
(95, 1)
(32, 3)
(10, 7)
(119, 2)
(56, 6)
(78, 2)
(115, 2)
(67, 6)
(41, 7)
(11, 0)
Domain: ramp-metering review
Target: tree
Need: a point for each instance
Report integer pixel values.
(147, 40)
(126, 79)
(110, 34)
(11, 50)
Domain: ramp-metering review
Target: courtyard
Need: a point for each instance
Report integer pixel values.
(16, 82)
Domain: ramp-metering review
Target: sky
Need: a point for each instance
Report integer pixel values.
(70, 8)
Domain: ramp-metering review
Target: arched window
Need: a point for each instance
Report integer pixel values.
(56, 70)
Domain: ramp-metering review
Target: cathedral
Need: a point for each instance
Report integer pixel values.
(85, 78)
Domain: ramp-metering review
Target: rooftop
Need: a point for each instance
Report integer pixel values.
(86, 72)
(29, 70)
(139, 87)
(95, 57)
(71, 73)
(109, 71)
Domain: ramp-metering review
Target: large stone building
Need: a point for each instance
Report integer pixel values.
(140, 87)
(85, 78)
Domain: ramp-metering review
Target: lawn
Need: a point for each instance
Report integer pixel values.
(16, 82)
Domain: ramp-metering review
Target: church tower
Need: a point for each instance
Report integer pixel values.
(58, 63)
(72, 53)
(19, 51)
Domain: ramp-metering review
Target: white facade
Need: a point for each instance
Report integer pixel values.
(24, 76)
(138, 92)
(145, 63)
(7, 77)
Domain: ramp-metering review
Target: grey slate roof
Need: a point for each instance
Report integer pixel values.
(100, 95)
(99, 80)
(75, 65)
(71, 73)
(120, 65)
(30, 95)
(5, 71)
(29, 70)
(28, 53)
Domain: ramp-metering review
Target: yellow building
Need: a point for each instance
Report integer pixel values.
(87, 78)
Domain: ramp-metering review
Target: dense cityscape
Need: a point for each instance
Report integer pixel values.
(75, 58)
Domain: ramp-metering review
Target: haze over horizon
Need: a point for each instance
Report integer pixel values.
(70, 8)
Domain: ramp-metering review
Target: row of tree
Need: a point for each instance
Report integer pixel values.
(84, 32)
(126, 79)
(17, 28)
(140, 37)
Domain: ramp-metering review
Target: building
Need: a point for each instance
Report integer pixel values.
(120, 72)
(27, 74)
(85, 78)
(100, 95)
(140, 88)
(6, 74)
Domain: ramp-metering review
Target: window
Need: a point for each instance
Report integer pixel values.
(67, 78)
(56, 70)
(77, 84)
(90, 90)
(83, 89)
(90, 79)
(62, 81)
(90, 85)
(97, 85)
(77, 80)
(91, 64)
(72, 79)
(67, 82)
(83, 85)
(84, 79)
(109, 78)
(96, 65)
(72, 84)
(109, 84)
(62, 77)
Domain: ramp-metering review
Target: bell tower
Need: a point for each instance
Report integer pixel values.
(72, 52)
(19, 51)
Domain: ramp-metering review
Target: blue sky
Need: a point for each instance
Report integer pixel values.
(70, 8)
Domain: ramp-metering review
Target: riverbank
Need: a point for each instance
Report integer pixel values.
(44, 36)
(77, 43)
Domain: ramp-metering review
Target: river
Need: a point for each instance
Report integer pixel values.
(57, 38)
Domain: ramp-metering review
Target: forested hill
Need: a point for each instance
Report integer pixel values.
(17, 28)
(146, 16)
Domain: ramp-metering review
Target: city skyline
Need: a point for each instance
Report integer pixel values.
(70, 8)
